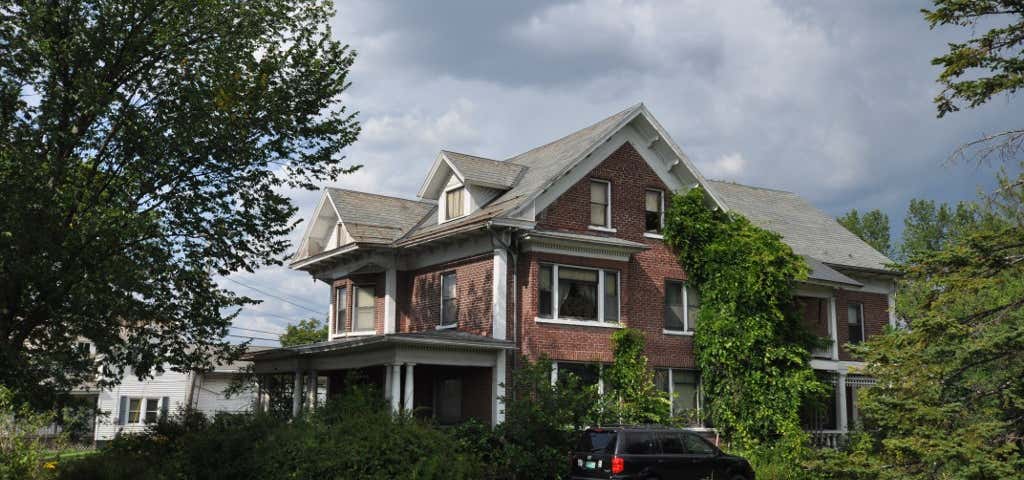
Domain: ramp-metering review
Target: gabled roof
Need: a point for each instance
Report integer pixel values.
(376, 218)
(484, 171)
(807, 230)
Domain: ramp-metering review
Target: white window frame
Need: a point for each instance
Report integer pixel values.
(465, 203)
(686, 331)
(661, 228)
(355, 308)
(600, 321)
(672, 388)
(341, 304)
(607, 227)
(142, 409)
(440, 321)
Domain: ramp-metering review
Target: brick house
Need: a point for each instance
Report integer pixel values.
(547, 253)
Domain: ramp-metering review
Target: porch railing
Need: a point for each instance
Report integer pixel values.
(826, 439)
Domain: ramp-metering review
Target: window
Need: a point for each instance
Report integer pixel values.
(683, 387)
(654, 211)
(818, 414)
(682, 305)
(454, 203)
(696, 445)
(855, 321)
(600, 198)
(449, 303)
(152, 410)
(641, 443)
(672, 443)
(365, 307)
(134, 410)
(341, 297)
(577, 293)
(588, 374)
(84, 349)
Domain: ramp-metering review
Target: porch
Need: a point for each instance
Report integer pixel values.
(446, 375)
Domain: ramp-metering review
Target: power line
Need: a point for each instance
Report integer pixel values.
(258, 331)
(254, 338)
(285, 300)
(269, 314)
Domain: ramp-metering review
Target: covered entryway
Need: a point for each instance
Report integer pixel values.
(446, 375)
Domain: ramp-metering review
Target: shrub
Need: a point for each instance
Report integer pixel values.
(21, 452)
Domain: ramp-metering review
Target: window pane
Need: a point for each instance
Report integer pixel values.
(661, 379)
(692, 308)
(448, 285)
(652, 201)
(577, 291)
(588, 374)
(342, 313)
(855, 322)
(449, 312)
(599, 193)
(152, 409)
(597, 215)
(544, 293)
(684, 386)
(365, 308)
(641, 443)
(599, 204)
(611, 296)
(134, 406)
(673, 305)
(697, 445)
(672, 443)
(454, 203)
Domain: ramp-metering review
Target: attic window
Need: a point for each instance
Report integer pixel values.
(454, 203)
(600, 199)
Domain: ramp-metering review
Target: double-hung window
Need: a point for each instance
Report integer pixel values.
(654, 211)
(139, 410)
(682, 305)
(683, 387)
(600, 203)
(341, 312)
(855, 321)
(134, 410)
(454, 203)
(364, 298)
(449, 300)
(577, 293)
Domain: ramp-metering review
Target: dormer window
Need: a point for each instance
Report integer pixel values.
(600, 201)
(454, 203)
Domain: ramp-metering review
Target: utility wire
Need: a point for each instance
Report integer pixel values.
(254, 338)
(271, 295)
(258, 331)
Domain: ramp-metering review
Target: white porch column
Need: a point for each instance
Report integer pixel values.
(257, 406)
(408, 387)
(390, 291)
(499, 294)
(554, 373)
(833, 326)
(843, 427)
(396, 387)
(498, 390)
(311, 390)
(297, 394)
(387, 383)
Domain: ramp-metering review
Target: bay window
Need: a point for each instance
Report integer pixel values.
(578, 293)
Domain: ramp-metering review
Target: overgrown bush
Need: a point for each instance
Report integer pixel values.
(22, 454)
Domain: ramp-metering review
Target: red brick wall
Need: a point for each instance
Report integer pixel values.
(876, 316)
(642, 279)
(419, 296)
(375, 279)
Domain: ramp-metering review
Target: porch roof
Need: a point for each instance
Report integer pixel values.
(438, 338)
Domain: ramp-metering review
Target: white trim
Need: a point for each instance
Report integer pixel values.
(602, 229)
(498, 390)
(390, 304)
(677, 332)
(581, 323)
(556, 318)
(446, 327)
(841, 399)
(499, 294)
(654, 235)
(357, 333)
(607, 227)
(409, 387)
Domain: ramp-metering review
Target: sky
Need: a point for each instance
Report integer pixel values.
(828, 99)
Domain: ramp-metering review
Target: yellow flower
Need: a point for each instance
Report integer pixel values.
(50, 465)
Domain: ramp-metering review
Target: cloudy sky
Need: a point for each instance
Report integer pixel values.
(829, 99)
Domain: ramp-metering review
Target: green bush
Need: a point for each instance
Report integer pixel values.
(21, 453)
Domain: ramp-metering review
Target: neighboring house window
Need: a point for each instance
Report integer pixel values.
(365, 307)
(600, 199)
(654, 211)
(454, 203)
(449, 301)
(682, 305)
(577, 293)
(855, 321)
(342, 311)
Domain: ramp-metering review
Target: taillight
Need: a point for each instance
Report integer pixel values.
(618, 464)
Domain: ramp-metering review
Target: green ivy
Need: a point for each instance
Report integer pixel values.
(751, 345)
(632, 396)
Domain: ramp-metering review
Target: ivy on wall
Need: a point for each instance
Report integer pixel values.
(751, 345)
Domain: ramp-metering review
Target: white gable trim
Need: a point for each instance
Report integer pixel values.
(325, 197)
(436, 180)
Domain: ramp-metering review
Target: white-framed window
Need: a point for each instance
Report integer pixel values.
(454, 203)
(683, 387)
(682, 305)
(364, 298)
(654, 211)
(578, 293)
(134, 410)
(341, 309)
(142, 410)
(449, 299)
(600, 203)
(855, 322)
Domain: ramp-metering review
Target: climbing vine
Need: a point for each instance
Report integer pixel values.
(750, 343)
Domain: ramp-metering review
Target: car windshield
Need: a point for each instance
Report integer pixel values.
(597, 441)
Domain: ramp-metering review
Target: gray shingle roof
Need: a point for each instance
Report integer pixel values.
(376, 218)
(809, 231)
(484, 171)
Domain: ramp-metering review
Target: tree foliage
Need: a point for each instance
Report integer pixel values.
(750, 342)
(928, 227)
(145, 147)
(872, 227)
(306, 331)
(629, 383)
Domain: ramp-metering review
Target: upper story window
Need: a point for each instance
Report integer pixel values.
(600, 203)
(654, 211)
(578, 293)
(682, 304)
(364, 304)
(449, 300)
(341, 312)
(454, 203)
(855, 321)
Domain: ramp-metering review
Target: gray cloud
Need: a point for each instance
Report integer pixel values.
(829, 99)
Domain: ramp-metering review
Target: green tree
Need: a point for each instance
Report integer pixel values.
(633, 397)
(929, 228)
(751, 345)
(306, 331)
(873, 228)
(146, 147)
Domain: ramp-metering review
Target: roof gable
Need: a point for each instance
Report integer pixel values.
(470, 170)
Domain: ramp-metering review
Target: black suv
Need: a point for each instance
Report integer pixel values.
(653, 452)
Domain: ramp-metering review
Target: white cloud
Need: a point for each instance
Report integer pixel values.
(726, 167)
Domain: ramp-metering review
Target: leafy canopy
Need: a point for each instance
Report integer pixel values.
(750, 342)
(144, 148)
(306, 331)
(872, 227)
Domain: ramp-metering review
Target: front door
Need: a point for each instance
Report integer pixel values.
(449, 401)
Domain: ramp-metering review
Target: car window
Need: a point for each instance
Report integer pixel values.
(641, 443)
(593, 441)
(672, 443)
(696, 445)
